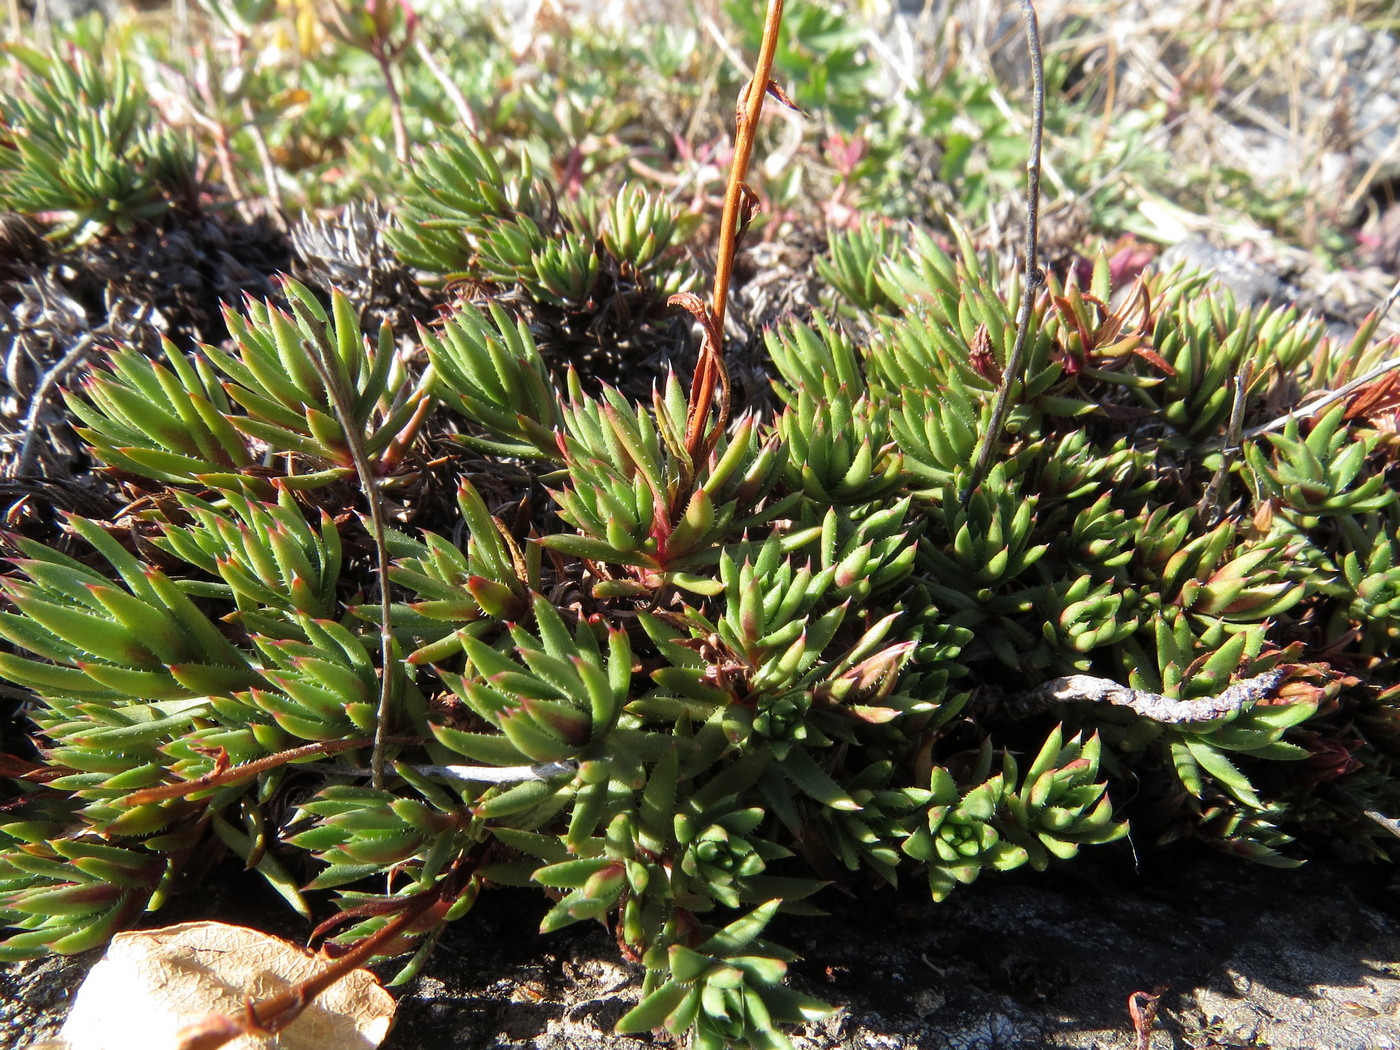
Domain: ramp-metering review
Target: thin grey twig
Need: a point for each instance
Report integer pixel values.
(1015, 363)
(29, 448)
(467, 774)
(736, 60)
(1207, 509)
(1390, 299)
(453, 92)
(1312, 408)
(395, 106)
(342, 402)
(255, 131)
(1077, 688)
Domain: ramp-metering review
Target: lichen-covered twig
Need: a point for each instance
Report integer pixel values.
(1389, 823)
(1082, 688)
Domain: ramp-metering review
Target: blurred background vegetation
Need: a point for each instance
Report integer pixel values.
(1251, 120)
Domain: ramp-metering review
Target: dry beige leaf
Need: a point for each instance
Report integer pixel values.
(151, 984)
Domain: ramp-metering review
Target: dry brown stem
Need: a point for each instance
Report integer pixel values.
(710, 373)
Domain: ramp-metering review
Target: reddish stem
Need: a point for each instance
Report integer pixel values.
(269, 1016)
(233, 774)
(709, 367)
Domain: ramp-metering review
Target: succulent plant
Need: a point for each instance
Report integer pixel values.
(398, 615)
(80, 141)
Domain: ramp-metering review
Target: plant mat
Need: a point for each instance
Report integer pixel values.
(1254, 958)
(311, 384)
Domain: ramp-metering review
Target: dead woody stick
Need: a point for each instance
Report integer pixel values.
(1082, 688)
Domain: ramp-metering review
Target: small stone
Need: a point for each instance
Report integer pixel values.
(927, 1001)
(1238, 981)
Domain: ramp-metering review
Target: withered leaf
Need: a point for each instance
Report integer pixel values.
(153, 984)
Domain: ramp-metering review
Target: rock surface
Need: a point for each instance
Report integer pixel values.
(1255, 959)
